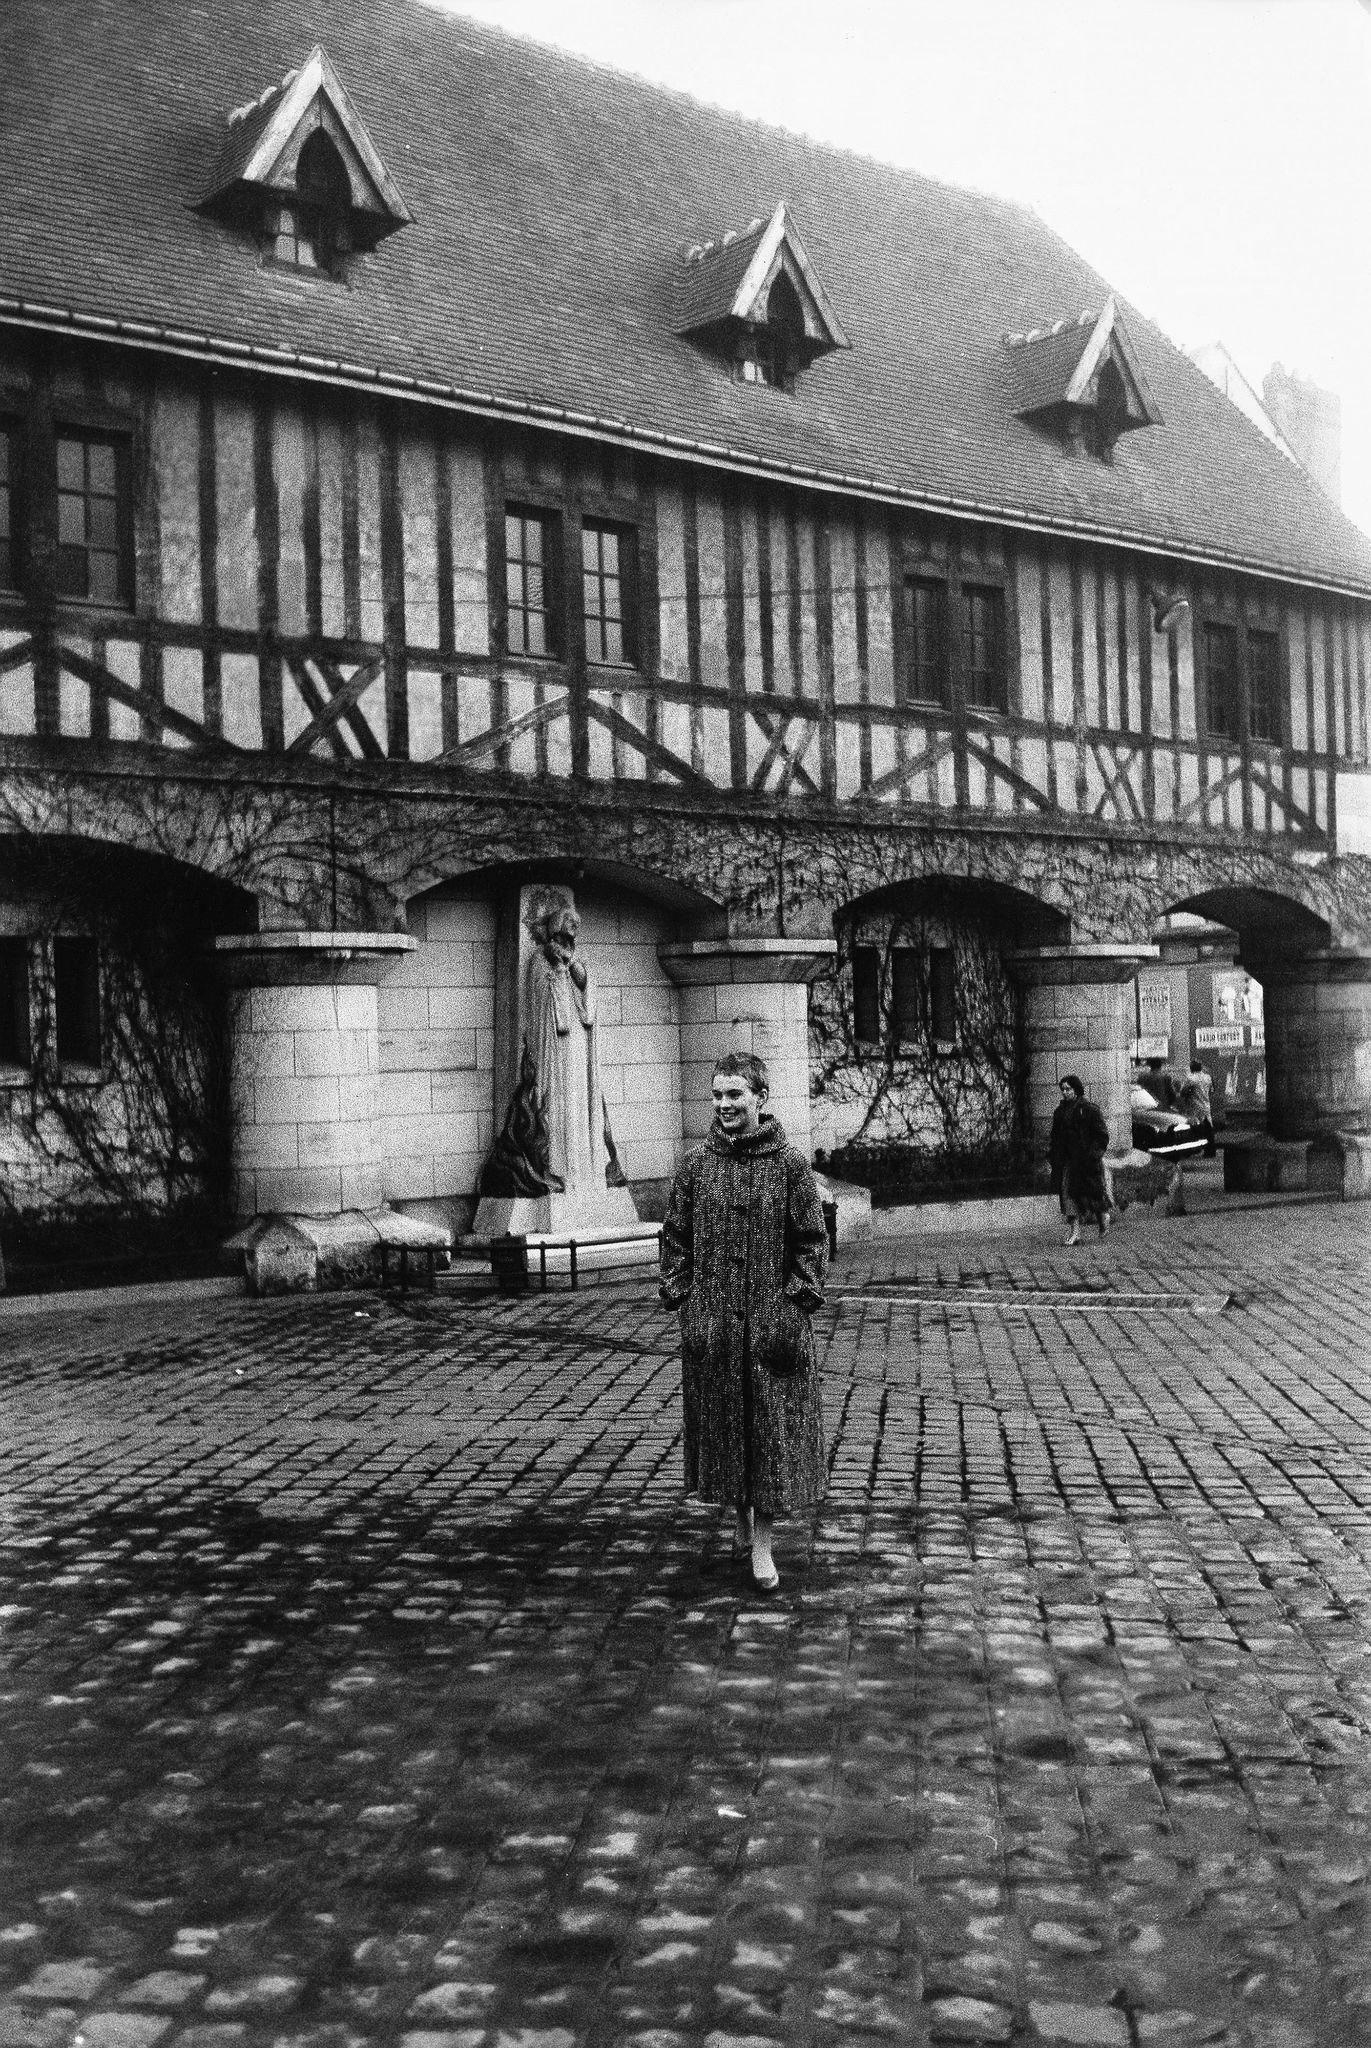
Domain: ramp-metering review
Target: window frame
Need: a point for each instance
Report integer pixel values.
(553, 610)
(12, 429)
(969, 589)
(16, 1007)
(1216, 688)
(957, 585)
(89, 433)
(1279, 693)
(625, 536)
(1242, 636)
(89, 1029)
(942, 997)
(866, 996)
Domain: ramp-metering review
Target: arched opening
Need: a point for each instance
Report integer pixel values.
(114, 1094)
(447, 1021)
(917, 1061)
(1203, 1005)
(324, 201)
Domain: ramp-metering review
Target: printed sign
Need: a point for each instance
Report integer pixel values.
(1154, 1007)
(1220, 1037)
(1149, 1048)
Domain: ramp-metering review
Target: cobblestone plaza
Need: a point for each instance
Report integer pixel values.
(368, 1682)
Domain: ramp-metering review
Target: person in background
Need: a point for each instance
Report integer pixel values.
(1197, 1102)
(1160, 1083)
(1077, 1145)
(744, 1252)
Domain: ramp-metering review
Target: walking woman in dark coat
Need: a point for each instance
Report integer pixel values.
(743, 1258)
(1076, 1149)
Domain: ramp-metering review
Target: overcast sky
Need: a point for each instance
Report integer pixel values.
(1208, 156)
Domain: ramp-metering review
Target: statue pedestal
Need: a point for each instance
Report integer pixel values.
(574, 1215)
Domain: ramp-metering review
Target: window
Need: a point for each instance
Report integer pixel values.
(1264, 687)
(531, 582)
(94, 557)
(774, 351)
(927, 615)
(866, 995)
(983, 664)
(942, 997)
(607, 579)
(313, 233)
(955, 646)
(9, 566)
(904, 992)
(76, 988)
(15, 1047)
(1222, 695)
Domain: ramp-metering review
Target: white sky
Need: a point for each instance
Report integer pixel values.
(1208, 156)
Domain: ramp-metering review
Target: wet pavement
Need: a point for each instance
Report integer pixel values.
(367, 1683)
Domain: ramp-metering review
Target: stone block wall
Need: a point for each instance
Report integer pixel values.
(436, 1022)
(305, 1098)
(768, 1018)
(640, 1041)
(436, 1016)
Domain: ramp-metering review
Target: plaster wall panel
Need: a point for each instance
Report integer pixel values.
(236, 555)
(1058, 572)
(424, 687)
(881, 597)
(849, 682)
(806, 597)
(709, 519)
(1185, 665)
(369, 529)
(418, 483)
(470, 613)
(1028, 590)
(183, 686)
(290, 459)
(332, 575)
(752, 600)
(241, 700)
(175, 454)
(784, 679)
(673, 636)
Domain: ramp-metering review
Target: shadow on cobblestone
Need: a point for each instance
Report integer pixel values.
(367, 1682)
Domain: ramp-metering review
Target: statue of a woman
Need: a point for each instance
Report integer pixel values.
(555, 1139)
(561, 1035)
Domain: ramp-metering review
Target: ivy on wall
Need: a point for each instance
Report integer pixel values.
(907, 1112)
(140, 1138)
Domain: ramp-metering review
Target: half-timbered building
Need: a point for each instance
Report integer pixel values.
(430, 463)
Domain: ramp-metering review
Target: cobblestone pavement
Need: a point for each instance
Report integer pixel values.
(367, 1681)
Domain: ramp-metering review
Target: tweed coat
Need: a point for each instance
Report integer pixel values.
(743, 1257)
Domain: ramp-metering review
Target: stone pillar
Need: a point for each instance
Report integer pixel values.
(747, 995)
(1318, 1043)
(304, 1052)
(1079, 1019)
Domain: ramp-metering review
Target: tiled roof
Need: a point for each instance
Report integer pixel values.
(553, 202)
(1042, 364)
(711, 273)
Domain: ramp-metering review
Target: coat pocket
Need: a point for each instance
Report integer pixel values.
(785, 1348)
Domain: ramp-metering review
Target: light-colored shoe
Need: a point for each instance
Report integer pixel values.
(766, 1582)
(1072, 1237)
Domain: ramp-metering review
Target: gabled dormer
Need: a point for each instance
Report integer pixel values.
(1082, 380)
(300, 172)
(755, 299)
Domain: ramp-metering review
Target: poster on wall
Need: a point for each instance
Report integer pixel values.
(1153, 992)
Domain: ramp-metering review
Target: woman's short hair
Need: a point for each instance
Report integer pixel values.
(748, 1068)
(1074, 1083)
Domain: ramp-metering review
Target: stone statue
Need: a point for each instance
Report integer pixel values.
(554, 1164)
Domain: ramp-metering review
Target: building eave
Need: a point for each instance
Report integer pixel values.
(224, 352)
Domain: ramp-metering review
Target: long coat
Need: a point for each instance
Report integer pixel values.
(1076, 1148)
(743, 1257)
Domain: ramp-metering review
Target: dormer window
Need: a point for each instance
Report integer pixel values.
(301, 172)
(316, 231)
(755, 300)
(1082, 380)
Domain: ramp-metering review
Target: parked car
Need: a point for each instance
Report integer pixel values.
(1164, 1130)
